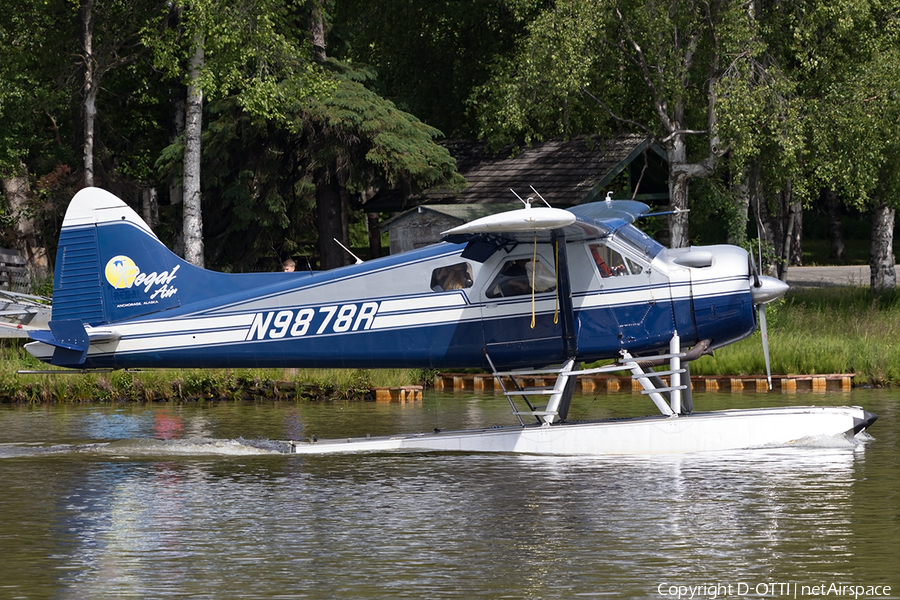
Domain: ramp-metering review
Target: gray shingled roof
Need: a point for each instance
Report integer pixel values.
(564, 172)
(462, 212)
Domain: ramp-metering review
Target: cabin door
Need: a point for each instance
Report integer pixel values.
(522, 326)
(639, 299)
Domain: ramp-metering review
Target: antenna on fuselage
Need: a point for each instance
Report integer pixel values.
(359, 261)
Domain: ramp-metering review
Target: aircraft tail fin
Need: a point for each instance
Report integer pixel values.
(110, 265)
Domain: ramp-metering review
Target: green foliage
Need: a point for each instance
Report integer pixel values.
(541, 89)
(274, 118)
(382, 144)
(259, 194)
(841, 59)
(804, 92)
(428, 56)
(37, 40)
(714, 216)
(255, 51)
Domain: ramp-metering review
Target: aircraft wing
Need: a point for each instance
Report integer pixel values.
(584, 222)
(21, 313)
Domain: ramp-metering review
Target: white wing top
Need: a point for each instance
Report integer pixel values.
(517, 221)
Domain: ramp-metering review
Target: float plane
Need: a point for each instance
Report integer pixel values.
(538, 291)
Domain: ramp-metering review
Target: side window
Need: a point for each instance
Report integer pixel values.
(516, 276)
(611, 263)
(452, 277)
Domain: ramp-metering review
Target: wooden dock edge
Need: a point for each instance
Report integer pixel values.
(484, 382)
(403, 394)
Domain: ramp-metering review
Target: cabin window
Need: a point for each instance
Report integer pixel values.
(611, 263)
(516, 276)
(452, 277)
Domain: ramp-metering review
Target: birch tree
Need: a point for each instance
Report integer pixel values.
(110, 40)
(848, 69)
(250, 50)
(648, 67)
(193, 126)
(91, 88)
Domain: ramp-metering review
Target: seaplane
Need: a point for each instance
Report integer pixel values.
(537, 291)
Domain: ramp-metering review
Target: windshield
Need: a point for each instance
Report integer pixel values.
(640, 242)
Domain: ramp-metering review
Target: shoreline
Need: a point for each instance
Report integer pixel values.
(131, 387)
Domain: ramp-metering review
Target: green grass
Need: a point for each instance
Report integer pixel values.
(821, 331)
(188, 384)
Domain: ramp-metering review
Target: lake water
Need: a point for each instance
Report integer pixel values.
(196, 501)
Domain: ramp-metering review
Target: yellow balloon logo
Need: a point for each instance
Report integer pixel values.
(121, 271)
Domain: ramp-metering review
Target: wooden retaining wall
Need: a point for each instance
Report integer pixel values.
(482, 382)
(402, 394)
(613, 383)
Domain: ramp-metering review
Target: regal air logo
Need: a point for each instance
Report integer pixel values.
(122, 273)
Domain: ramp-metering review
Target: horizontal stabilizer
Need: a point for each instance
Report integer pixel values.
(69, 338)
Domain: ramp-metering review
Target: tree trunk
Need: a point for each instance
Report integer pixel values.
(150, 207)
(835, 227)
(329, 220)
(91, 87)
(374, 230)
(193, 218)
(737, 231)
(345, 213)
(680, 174)
(881, 264)
(767, 226)
(331, 199)
(179, 108)
(786, 224)
(795, 255)
(678, 193)
(18, 194)
(317, 31)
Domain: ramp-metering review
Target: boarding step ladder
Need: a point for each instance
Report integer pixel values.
(667, 398)
(544, 415)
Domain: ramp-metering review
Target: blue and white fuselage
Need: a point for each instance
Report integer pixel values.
(441, 306)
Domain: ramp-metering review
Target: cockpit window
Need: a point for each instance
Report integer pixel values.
(642, 243)
(452, 277)
(516, 276)
(611, 263)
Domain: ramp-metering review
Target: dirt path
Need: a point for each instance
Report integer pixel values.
(830, 276)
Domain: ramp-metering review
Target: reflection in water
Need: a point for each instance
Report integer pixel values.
(204, 515)
(435, 525)
(167, 426)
